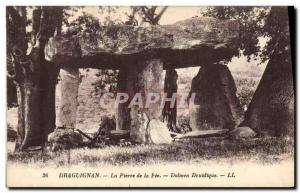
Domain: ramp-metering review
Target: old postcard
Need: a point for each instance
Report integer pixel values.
(150, 96)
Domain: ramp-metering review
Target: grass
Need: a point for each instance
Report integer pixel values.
(246, 86)
(262, 150)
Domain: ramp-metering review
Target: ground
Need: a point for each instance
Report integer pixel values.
(258, 150)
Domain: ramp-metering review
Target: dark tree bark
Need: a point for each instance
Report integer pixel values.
(11, 93)
(150, 16)
(51, 20)
(271, 111)
(34, 77)
(21, 119)
(169, 114)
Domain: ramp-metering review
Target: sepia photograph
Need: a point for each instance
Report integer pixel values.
(150, 96)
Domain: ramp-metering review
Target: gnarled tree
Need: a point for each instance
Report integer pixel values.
(271, 111)
(34, 78)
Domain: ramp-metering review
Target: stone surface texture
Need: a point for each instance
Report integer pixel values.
(109, 47)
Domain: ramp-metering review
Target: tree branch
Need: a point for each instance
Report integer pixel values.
(157, 18)
(36, 20)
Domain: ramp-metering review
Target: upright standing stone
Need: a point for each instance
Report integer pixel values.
(218, 106)
(123, 112)
(138, 126)
(68, 101)
(146, 77)
(150, 79)
(169, 113)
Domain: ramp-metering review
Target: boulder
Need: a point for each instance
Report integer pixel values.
(146, 131)
(64, 138)
(159, 132)
(242, 132)
(138, 126)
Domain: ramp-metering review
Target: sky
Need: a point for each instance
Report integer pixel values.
(171, 15)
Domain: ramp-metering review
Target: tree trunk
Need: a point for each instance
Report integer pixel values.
(36, 98)
(49, 74)
(33, 133)
(169, 113)
(34, 77)
(21, 119)
(11, 93)
(271, 111)
(28, 88)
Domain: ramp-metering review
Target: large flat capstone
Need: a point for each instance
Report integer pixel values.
(191, 42)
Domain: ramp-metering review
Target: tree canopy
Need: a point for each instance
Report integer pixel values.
(270, 23)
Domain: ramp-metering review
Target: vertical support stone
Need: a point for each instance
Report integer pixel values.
(145, 77)
(218, 106)
(68, 101)
(169, 114)
(148, 78)
(141, 79)
(123, 112)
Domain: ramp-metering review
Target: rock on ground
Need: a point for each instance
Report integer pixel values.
(138, 127)
(64, 139)
(159, 132)
(203, 134)
(242, 132)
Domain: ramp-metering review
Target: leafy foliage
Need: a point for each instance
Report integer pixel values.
(84, 23)
(107, 81)
(256, 22)
(246, 86)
